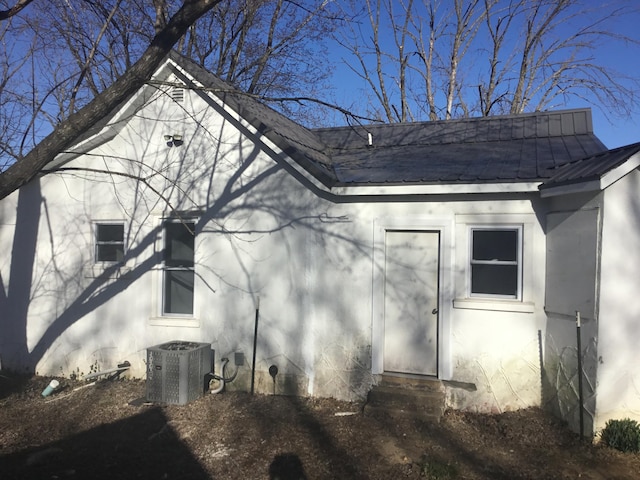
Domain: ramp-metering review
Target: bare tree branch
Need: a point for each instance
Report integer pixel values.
(91, 55)
(70, 129)
(15, 10)
(485, 57)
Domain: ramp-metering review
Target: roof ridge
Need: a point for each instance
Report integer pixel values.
(489, 118)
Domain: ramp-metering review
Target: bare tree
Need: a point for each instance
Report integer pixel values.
(383, 71)
(68, 130)
(425, 45)
(553, 64)
(269, 48)
(14, 10)
(470, 57)
(497, 26)
(428, 43)
(465, 26)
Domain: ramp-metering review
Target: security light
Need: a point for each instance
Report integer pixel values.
(173, 140)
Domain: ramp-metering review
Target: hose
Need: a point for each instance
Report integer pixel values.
(222, 378)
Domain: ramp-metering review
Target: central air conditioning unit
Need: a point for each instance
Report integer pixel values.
(176, 371)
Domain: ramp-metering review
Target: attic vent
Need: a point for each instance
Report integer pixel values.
(177, 94)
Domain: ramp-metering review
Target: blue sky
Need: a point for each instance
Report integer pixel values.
(625, 58)
(616, 132)
(613, 128)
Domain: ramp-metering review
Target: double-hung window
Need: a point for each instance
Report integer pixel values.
(178, 267)
(496, 262)
(109, 242)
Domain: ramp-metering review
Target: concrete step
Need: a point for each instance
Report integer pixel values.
(412, 382)
(417, 397)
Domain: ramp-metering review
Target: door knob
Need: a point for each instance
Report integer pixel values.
(434, 311)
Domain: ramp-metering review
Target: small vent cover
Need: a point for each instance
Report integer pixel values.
(177, 94)
(176, 371)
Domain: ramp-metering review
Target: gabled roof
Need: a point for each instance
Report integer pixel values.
(595, 172)
(517, 148)
(520, 151)
(293, 139)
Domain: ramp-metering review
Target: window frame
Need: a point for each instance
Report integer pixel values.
(519, 229)
(176, 268)
(97, 243)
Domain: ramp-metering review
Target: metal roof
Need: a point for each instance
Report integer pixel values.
(514, 148)
(590, 168)
(491, 149)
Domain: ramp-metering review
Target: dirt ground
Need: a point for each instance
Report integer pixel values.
(106, 431)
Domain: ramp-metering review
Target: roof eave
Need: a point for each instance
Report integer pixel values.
(622, 170)
(315, 161)
(436, 189)
(106, 131)
(592, 183)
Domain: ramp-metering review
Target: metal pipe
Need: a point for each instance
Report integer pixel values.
(255, 344)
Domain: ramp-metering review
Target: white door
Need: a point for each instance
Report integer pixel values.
(411, 302)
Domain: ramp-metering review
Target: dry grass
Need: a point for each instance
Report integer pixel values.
(106, 431)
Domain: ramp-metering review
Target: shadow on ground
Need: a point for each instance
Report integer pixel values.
(11, 383)
(107, 431)
(141, 446)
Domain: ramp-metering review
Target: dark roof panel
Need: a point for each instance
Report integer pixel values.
(590, 168)
(513, 148)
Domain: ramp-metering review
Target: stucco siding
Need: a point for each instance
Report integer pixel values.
(618, 354)
(267, 247)
(573, 230)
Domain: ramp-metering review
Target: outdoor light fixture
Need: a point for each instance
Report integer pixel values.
(173, 140)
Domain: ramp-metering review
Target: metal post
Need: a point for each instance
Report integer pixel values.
(580, 393)
(255, 344)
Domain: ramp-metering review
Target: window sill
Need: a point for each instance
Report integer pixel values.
(494, 305)
(188, 322)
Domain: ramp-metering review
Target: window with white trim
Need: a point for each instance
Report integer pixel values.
(109, 242)
(496, 262)
(178, 267)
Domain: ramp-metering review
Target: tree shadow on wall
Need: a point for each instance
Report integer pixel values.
(236, 196)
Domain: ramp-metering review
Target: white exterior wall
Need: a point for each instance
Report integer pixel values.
(489, 349)
(618, 354)
(573, 229)
(312, 263)
(495, 344)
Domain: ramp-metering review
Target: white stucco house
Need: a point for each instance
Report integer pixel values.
(458, 250)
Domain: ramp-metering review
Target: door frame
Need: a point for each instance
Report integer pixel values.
(445, 227)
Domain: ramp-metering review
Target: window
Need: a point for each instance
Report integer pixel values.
(109, 242)
(496, 262)
(178, 271)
